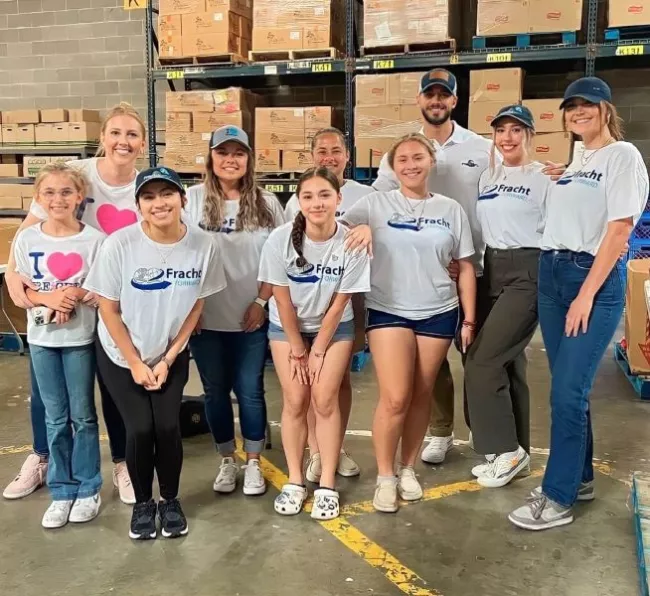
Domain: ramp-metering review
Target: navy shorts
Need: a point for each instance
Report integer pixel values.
(344, 332)
(443, 325)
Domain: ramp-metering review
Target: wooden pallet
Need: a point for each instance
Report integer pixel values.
(203, 60)
(525, 40)
(640, 384)
(287, 55)
(432, 47)
(641, 504)
(627, 33)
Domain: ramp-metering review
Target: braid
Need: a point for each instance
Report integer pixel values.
(297, 234)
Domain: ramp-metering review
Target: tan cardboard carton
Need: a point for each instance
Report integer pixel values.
(375, 120)
(11, 170)
(318, 117)
(194, 101)
(21, 117)
(26, 134)
(371, 90)
(271, 119)
(496, 84)
(211, 44)
(267, 160)
(179, 122)
(241, 7)
(32, 165)
(273, 38)
(55, 115)
(280, 139)
(502, 17)
(167, 7)
(60, 132)
(169, 24)
(547, 16)
(637, 326)
(27, 203)
(626, 13)
(208, 23)
(208, 122)
(547, 114)
(554, 146)
(44, 133)
(370, 150)
(296, 161)
(408, 84)
(481, 114)
(84, 132)
(84, 116)
(171, 45)
(233, 99)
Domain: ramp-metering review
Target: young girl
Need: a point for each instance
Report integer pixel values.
(230, 352)
(56, 256)
(311, 331)
(152, 279)
(511, 210)
(107, 207)
(412, 307)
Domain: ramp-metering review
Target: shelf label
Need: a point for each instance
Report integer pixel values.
(500, 57)
(630, 50)
(453, 59)
(273, 187)
(134, 4)
(321, 67)
(292, 188)
(175, 74)
(377, 64)
(271, 70)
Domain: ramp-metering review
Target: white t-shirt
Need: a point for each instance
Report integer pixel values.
(157, 285)
(413, 244)
(53, 262)
(511, 206)
(240, 252)
(351, 192)
(612, 184)
(106, 208)
(330, 270)
(460, 161)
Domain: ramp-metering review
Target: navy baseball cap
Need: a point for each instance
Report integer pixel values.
(159, 174)
(520, 113)
(229, 133)
(591, 89)
(439, 76)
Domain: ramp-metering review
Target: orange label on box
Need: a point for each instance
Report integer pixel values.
(635, 9)
(546, 116)
(542, 148)
(554, 16)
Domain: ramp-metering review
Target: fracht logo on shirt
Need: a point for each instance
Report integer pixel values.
(311, 274)
(415, 224)
(497, 190)
(591, 178)
(151, 279)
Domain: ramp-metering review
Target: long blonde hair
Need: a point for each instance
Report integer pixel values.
(62, 169)
(121, 109)
(413, 136)
(528, 146)
(254, 212)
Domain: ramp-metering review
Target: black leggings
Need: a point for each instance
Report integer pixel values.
(153, 435)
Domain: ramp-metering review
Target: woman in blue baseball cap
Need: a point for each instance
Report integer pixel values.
(511, 208)
(230, 351)
(591, 211)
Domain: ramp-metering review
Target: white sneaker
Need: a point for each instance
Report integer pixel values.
(57, 514)
(436, 450)
(470, 441)
(314, 468)
(385, 498)
(122, 482)
(226, 480)
(85, 510)
(347, 466)
(407, 484)
(254, 483)
(541, 514)
(504, 468)
(481, 469)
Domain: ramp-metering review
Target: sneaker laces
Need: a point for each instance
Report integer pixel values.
(252, 468)
(537, 505)
(171, 510)
(142, 511)
(123, 475)
(227, 468)
(439, 442)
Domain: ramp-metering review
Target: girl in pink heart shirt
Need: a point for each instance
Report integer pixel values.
(56, 256)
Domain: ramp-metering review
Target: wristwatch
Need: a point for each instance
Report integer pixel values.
(260, 301)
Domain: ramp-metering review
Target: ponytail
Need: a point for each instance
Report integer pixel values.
(297, 236)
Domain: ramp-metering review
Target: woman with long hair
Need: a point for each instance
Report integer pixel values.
(108, 207)
(230, 350)
(591, 211)
(412, 307)
(511, 210)
(311, 331)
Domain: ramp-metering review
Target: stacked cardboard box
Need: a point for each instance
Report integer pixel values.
(283, 136)
(401, 22)
(193, 115)
(304, 24)
(32, 165)
(509, 17)
(490, 90)
(194, 28)
(12, 195)
(551, 142)
(628, 13)
(29, 127)
(637, 324)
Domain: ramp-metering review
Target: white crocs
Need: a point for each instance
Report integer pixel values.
(290, 500)
(326, 504)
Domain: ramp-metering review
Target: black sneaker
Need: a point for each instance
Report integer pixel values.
(172, 519)
(143, 521)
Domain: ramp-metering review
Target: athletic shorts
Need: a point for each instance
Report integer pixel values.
(443, 325)
(344, 332)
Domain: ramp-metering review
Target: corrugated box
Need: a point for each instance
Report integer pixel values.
(32, 165)
(296, 161)
(280, 139)
(211, 44)
(27, 203)
(197, 142)
(502, 17)
(375, 120)
(21, 134)
(371, 90)
(7, 233)
(186, 161)
(21, 117)
(171, 45)
(318, 117)
(547, 16)
(280, 118)
(241, 7)
(267, 160)
(481, 113)
(369, 151)
(273, 38)
(637, 326)
(179, 122)
(208, 122)
(408, 87)
(233, 99)
(318, 37)
(11, 170)
(54, 115)
(554, 146)
(194, 101)
(44, 133)
(84, 116)
(627, 13)
(547, 114)
(496, 84)
(11, 196)
(61, 132)
(170, 24)
(84, 132)
(181, 6)
(208, 23)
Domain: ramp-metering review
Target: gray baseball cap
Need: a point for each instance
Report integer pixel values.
(229, 133)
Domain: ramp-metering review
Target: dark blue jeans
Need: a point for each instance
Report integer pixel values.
(573, 362)
(233, 361)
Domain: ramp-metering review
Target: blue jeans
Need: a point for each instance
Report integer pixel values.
(66, 379)
(233, 361)
(573, 362)
(37, 414)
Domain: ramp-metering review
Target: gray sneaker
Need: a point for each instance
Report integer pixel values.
(585, 492)
(541, 514)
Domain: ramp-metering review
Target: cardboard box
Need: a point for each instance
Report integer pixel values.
(44, 133)
(171, 45)
(547, 16)
(208, 122)
(169, 24)
(272, 38)
(181, 6)
(84, 116)
(240, 7)
(318, 36)
(195, 142)
(637, 326)
(626, 13)
(11, 170)
(8, 159)
(554, 146)
(211, 44)
(209, 23)
(193, 101)
(296, 161)
(267, 160)
(7, 233)
(32, 165)
(375, 120)
(371, 90)
(27, 203)
(185, 162)
(280, 139)
(55, 115)
(547, 114)
(21, 117)
(233, 99)
(502, 17)
(496, 84)
(271, 119)
(178, 122)
(20, 134)
(408, 87)
(371, 149)
(11, 196)
(481, 113)
(84, 132)
(318, 117)
(61, 132)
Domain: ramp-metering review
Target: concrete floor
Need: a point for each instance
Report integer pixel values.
(452, 544)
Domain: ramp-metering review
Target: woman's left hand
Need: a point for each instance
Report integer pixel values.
(466, 338)
(91, 299)
(578, 316)
(359, 237)
(254, 318)
(315, 365)
(554, 170)
(160, 371)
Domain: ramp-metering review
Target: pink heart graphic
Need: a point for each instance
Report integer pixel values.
(111, 219)
(64, 266)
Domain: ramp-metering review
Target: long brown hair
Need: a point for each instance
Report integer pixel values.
(254, 212)
(299, 221)
(121, 109)
(613, 121)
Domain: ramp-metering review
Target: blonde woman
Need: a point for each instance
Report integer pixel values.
(412, 307)
(108, 207)
(511, 208)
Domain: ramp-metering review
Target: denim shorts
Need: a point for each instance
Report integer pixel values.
(344, 332)
(443, 325)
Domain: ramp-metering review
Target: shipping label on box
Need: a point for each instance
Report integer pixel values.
(496, 84)
(32, 165)
(170, 24)
(547, 16)
(272, 119)
(240, 7)
(637, 325)
(502, 17)
(192, 101)
(627, 13)
(11, 170)
(267, 160)
(481, 114)
(546, 113)
(296, 161)
(55, 115)
(208, 122)
(167, 7)
(178, 122)
(554, 146)
(369, 151)
(272, 38)
(21, 117)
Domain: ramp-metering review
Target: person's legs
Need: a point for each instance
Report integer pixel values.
(114, 424)
(520, 398)
(37, 416)
(442, 407)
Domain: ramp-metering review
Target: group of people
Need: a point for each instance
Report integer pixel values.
(461, 239)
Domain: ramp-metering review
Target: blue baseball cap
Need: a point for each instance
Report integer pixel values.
(520, 113)
(229, 133)
(159, 174)
(591, 89)
(439, 76)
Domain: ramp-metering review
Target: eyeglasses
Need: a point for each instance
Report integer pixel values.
(49, 194)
